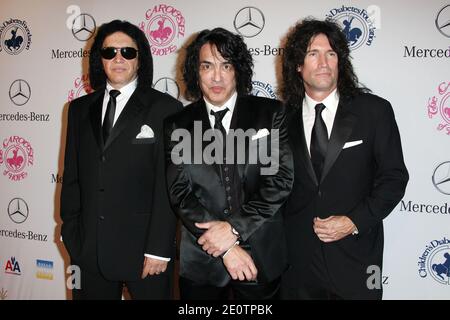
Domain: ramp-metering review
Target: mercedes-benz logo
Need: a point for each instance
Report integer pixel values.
(83, 27)
(18, 210)
(169, 86)
(19, 92)
(443, 21)
(441, 177)
(249, 22)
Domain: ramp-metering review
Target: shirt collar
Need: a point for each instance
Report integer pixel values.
(331, 102)
(125, 91)
(230, 104)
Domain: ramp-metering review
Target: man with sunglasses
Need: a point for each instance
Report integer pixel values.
(118, 226)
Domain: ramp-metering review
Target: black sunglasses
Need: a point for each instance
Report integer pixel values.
(109, 53)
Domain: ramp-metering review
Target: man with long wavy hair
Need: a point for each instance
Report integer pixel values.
(232, 226)
(349, 169)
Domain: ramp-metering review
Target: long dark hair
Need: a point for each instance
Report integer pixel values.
(298, 41)
(97, 76)
(231, 47)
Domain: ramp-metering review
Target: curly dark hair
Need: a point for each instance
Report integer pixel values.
(297, 44)
(231, 47)
(97, 76)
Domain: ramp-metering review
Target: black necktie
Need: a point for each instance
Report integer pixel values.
(108, 122)
(319, 141)
(218, 123)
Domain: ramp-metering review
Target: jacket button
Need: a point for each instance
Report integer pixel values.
(101, 217)
(225, 211)
(103, 158)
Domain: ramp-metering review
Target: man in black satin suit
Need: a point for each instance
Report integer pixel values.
(232, 233)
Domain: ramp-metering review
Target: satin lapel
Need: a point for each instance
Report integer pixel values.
(202, 115)
(297, 138)
(95, 111)
(131, 110)
(242, 119)
(342, 128)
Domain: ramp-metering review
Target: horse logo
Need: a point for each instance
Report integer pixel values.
(443, 269)
(163, 26)
(352, 34)
(16, 161)
(162, 33)
(15, 42)
(17, 154)
(15, 36)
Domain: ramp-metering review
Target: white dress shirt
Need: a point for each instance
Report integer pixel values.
(226, 120)
(328, 114)
(121, 100)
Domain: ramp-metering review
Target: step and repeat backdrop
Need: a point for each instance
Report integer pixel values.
(400, 49)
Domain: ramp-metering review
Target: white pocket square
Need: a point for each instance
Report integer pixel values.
(352, 144)
(146, 132)
(261, 133)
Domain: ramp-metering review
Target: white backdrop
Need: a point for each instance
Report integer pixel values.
(402, 54)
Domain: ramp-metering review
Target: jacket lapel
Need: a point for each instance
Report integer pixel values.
(242, 119)
(133, 107)
(201, 115)
(298, 141)
(342, 128)
(95, 111)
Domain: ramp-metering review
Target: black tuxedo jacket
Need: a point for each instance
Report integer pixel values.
(114, 204)
(198, 195)
(364, 182)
